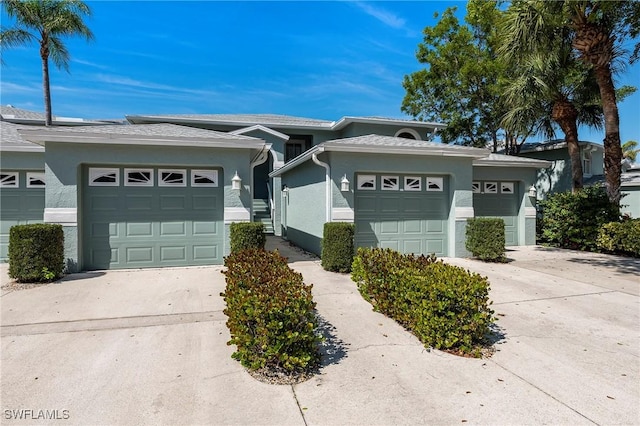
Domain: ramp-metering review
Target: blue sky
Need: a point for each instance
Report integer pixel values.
(315, 59)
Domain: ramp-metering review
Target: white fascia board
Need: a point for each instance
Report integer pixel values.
(435, 152)
(37, 148)
(540, 164)
(345, 121)
(138, 119)
(297, 161)
(88, 138)
(262, 128)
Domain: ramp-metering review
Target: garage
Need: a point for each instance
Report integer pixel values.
(140, 217)
(498, 199)
(407, 213)
(21, 202)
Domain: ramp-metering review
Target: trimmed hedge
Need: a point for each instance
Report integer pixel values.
(620, 237)
(247, 235)
(337, 246)
(36, 252)
(271, 313)
(486, 238)
(573, 220)
(445, 306)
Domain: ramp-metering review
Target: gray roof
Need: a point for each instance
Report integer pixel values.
(9, 113)
(396, 142)
(141, 134)
(232, 119)
(501, 160)
(551, 145)
(630, 179)
(10, 139)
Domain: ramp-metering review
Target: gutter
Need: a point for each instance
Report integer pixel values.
(314, 157)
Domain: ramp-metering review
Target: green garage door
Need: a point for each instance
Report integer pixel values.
(149, 217)
(407, 213)
(498, 199)
(21, 202)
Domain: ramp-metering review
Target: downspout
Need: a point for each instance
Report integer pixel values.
(314, 157)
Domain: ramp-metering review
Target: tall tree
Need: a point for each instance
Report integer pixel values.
(461, 83)
(47, 22)
(598, 29)
(550, 87)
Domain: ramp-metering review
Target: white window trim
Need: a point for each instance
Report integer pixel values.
(14, 185)
(161, 182)
(211, 174)
(509, 185)
(35, 175)
(487, 191)
(126, 177)
(478, 189)
(410, 131)
(362, 179)
(396, 187)
(408, 188)
(437, 180)
(96, 172)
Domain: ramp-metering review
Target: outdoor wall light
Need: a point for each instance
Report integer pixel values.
(532, 191)
(344, 184)
(285, 191)
(236, 182)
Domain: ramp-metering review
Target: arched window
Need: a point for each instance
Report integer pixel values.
(408, 134)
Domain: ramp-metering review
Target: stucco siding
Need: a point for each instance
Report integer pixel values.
(359, 129)
(631, 202)
(10, 160)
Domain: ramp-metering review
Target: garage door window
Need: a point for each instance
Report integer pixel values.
(35, 180)
(412, 183)
(204, 178)
(435, 184)
(172, 177)
(490, 188)
(390, 183)
(9, 180)
(104, 177)
(138, 177)
(506, 187)
(367, 182)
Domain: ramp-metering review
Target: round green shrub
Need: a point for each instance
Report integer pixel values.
(36, 252)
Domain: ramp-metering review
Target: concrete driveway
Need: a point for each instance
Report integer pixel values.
(148, 347)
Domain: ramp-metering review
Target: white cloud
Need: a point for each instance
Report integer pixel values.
(382, 15)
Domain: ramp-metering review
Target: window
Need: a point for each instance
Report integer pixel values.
(475, 187)
(506, 187)
(586, 163)
(138, 177)
(104, 177)
(172, 177)
(296, 146)
(367, 182)
(412, 183)
(35, 180)
(204, 178)
(490, 188)
(407, 133)
(390, 183)
(435, 184)
(9, 180)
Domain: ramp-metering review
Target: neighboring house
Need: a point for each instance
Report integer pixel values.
(557, 177)
(163, 190)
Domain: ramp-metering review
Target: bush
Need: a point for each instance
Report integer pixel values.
(573, 220)
(271, 313)
(486, 239)
(247, 235)
(337, 246)
(36, 252)
(620, 237)
(445, 306)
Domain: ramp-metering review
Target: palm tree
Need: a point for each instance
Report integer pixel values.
(630, 151)
(47, 22)
(550, 87)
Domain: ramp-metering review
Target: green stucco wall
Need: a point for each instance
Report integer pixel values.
(359, 129)
(631, 202)
(10, 160)
(63, 174)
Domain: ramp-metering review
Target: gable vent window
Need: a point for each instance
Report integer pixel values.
(412, 183)
(9, 180)
(35, 180)
(172, 177)
(435, 184)
(367, 182)
(104, 177)
(490, 188)
(390, 183)
(506, 187)
(204, 178)
(138, 177)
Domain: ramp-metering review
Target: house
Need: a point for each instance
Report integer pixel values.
(162, 190)
(557, 177)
